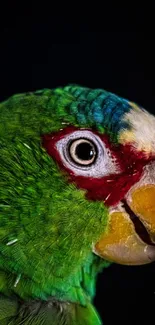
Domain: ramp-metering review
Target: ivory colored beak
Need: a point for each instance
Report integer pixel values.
(121, 244)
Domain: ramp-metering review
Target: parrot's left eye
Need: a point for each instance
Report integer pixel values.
(85, 154)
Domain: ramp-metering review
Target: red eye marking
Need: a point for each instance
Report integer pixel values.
(109, 189)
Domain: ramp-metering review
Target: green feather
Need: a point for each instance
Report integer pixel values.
(47, 226)
(53, 313)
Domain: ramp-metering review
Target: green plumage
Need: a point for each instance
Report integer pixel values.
(47, 227)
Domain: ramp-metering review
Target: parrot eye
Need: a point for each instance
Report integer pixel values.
(83, 152)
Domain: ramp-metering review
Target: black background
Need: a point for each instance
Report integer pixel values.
(52, 49)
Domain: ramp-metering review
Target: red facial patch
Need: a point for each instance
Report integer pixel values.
(112, 188)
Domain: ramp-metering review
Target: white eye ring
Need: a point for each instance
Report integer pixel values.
(100, 165)
(82, 151)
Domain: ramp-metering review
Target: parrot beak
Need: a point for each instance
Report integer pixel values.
(130, 235)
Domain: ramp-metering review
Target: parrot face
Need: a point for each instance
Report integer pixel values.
(121, 175)
(77, 173)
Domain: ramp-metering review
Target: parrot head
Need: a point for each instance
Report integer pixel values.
(77, 172)
(110, 154)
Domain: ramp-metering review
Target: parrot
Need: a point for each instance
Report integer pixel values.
(77, 194)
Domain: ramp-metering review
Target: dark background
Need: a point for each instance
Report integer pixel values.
(46, 51)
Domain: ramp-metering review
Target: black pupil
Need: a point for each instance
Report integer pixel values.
(85, 151)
